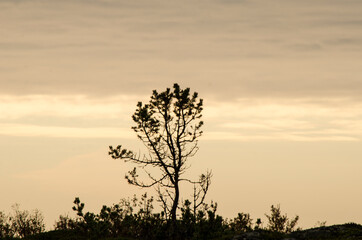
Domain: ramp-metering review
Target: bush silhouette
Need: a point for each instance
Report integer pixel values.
(21, 223)
(242, 223)
(280, 223)
(5, 226)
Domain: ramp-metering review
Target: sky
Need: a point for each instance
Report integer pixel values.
(281, 82)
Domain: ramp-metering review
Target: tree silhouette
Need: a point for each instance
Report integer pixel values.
(169, 126)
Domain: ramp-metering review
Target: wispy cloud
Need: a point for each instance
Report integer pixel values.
(302, 120)
(24, 130)
(245, 119)
(15, 107)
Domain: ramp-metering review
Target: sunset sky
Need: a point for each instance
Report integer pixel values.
(281, 82)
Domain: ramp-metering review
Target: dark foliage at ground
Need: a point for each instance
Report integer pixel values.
(350, 231)
(340, 232)
(122, 222)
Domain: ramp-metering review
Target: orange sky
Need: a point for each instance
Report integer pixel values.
(281, 80)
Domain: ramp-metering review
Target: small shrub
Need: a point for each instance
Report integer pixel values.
(208, 224)
(258, 224)
(320, 224)
(24, 223)
(242, 223)
(5, 226)
(65, 223)
(280, 223)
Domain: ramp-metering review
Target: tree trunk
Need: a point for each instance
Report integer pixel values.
(174, 209)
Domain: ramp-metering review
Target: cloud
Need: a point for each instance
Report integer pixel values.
(247, 119)
(306, 47)
(24, 130)
(303, 120)
(15, 107)
(66, 116)
(107, 48)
